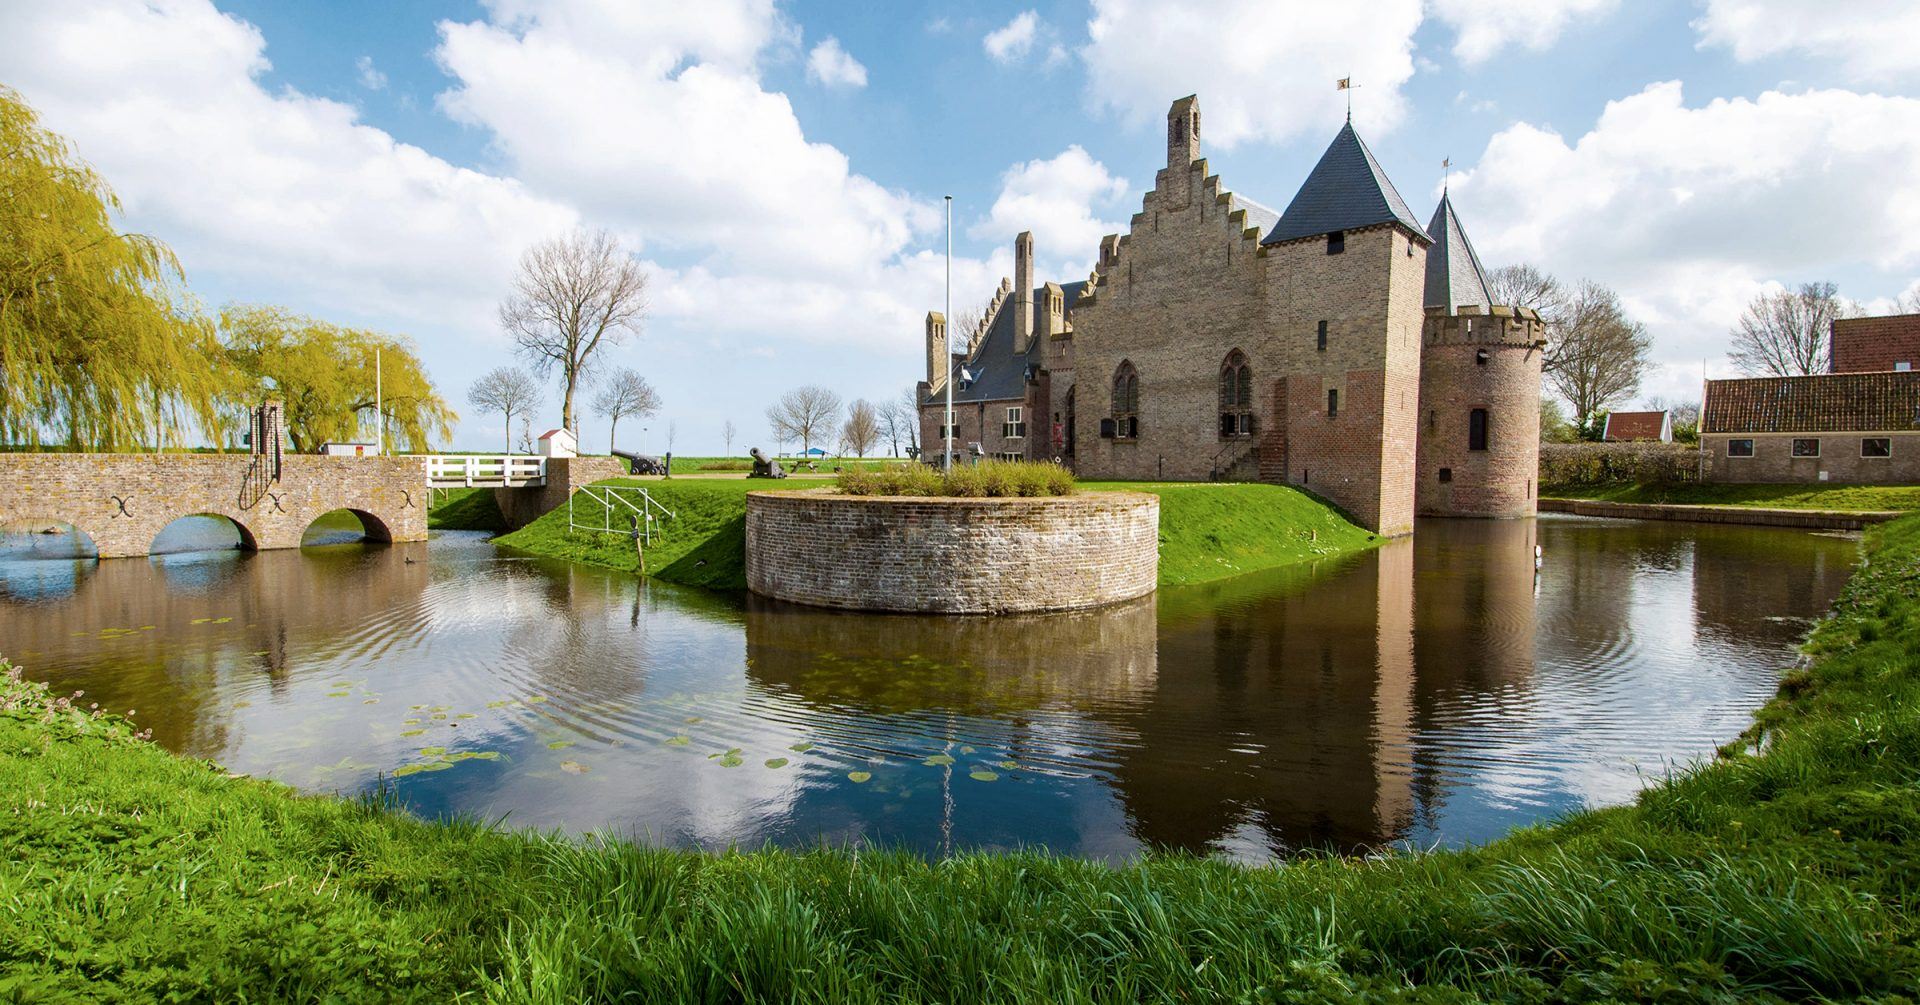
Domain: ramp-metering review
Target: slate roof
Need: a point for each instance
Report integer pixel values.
(1454, 276)
(998, 374)
(1345, 191)
(1625, 426)
(1824, 403)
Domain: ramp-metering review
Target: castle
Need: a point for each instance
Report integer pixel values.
(1338, 346)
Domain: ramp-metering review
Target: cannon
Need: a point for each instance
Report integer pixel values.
(764, 466)
(642, 464)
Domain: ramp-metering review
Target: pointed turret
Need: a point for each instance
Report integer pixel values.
(1346, 191)
(1454, 276)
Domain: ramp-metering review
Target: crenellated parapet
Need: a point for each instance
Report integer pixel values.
(1515, 327)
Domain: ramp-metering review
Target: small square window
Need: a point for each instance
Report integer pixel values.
(1876, 446)
(1739, 448)
(1807, 446)
(1337, 242)
(1903, 365)
(1446, 474)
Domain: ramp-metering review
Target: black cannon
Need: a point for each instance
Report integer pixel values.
(642, 464)
(764, 466)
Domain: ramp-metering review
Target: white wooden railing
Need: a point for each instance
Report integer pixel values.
(447, 471)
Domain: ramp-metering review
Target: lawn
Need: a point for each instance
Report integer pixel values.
(1207, 531)
(1787, 870)
(1796, 496)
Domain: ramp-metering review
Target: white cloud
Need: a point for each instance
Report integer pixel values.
(1484, 27)
(1263, 70)
(1867, 39)
(1012, 41)
(370, 76)
(1691, 211)
(1056, 199)
(281, 192)
(831, 66)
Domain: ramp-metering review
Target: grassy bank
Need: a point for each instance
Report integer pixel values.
(1783, 875)
(1834, 497)
(465, 509)
(1207, 531)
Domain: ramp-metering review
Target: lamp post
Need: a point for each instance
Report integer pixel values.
(946, 462)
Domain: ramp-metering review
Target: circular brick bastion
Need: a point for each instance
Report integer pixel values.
(952, 555)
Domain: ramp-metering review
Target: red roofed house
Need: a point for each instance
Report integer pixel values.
(1863, 345)
(1626, 426)
(1837, 427)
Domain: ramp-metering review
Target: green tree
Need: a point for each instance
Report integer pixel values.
(325, 375)
(99, 342)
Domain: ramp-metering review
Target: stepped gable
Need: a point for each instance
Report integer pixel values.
(1345, 191)
(998, 373)
(1455, 278)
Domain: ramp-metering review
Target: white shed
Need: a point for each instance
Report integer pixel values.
(559, 443)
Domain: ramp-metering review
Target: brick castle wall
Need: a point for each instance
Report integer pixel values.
(956, 556)
(1500, 480)
(122, 501)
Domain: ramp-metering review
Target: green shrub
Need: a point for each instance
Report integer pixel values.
(996, 479)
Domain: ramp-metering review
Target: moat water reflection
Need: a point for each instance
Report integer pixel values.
(1436, 690)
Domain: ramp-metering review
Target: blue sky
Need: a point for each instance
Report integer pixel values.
(779, 166)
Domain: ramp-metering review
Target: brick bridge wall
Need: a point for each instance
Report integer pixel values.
(122, 500)
(565, 476)
(956, 556)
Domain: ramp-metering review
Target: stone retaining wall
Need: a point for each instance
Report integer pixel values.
(565, 476)
(956, 556)
(1813, 519)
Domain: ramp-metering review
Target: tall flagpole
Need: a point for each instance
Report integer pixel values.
(946, 322)
(379, 416)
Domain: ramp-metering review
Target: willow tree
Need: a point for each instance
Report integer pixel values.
(324, 373)
(99, 342)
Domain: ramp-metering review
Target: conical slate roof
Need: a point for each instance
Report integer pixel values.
(1454, 276)
(1346, 191)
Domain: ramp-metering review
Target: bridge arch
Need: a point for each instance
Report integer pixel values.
(188, 538)
(320, 529)
(46, 536)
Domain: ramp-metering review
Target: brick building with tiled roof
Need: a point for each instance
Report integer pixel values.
(1832, 427)
(1628, 427)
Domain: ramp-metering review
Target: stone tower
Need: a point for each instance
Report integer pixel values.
(1022, 292)
(1479, 443)
(938, 363)
(1183, 133)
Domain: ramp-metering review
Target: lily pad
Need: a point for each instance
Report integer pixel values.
(436, 766)
(536, 699)
(983, 775)
(801, 748)
(559, 744)
(938, 760)
(414, 732)
(679, 741)
(371, 701)
(475, 755)
(776, 762)
(859, 777)
(432, 751)
(339, 694)
(502, 703)
(439, 715)
(408, 769)
(466, 715)
(693, 720)
(966, 749)
(573, 767)
(1008, 765)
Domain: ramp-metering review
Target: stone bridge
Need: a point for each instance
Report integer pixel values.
(122, 501)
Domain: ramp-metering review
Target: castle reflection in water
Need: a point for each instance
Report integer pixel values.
(1435, 689)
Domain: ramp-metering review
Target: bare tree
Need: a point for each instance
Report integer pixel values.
(507, 390)
(909, 403)
(526, 436)
(1909, 302)
(625, 393)
(1602, 353)
(1788, 333)
(727, 433)
(862, 428)
(893, 423)
(803, 414)
(575, 295)
(673, 429)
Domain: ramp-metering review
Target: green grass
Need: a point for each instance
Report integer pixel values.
(465, 509)
(1207, 531)
(1833, 497)
(1783, 875)
(741, 462)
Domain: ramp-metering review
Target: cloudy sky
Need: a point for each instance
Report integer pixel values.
(779, 166)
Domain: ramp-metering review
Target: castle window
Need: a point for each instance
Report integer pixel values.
(1480, 356)
(1126, 402)
(1477, 429)
(1323, 336)
(1236, 396)
(1337, 243)
(1015, 427)
(1446, 474)
(1333, 403)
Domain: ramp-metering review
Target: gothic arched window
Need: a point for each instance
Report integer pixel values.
(1126, 401)
(1236, 396)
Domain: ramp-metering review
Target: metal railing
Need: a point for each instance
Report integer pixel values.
(632, 506)
(485, 470)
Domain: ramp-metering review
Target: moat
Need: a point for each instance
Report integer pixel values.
(1437, 690)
